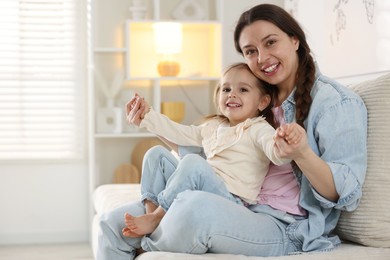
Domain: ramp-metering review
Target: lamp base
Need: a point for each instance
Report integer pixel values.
(168, 68)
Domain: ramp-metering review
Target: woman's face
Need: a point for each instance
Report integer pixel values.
(270, 53)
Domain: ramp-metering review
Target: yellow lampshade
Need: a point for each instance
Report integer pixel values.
(168, 37)
(168, 41)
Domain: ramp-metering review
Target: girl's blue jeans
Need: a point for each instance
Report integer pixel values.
(162, 182)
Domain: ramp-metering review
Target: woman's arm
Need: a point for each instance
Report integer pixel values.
(318, 173)
(312, 166)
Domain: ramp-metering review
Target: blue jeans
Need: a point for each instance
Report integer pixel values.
(197, 222)
(162, 182)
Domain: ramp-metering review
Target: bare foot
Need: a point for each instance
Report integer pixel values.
(128, 233)
(144, 224)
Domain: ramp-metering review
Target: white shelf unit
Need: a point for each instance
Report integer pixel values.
(116, 46)
(200, 56)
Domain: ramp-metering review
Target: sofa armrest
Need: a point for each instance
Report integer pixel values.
(110, 196)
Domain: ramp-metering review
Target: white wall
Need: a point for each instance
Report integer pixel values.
(349, 39)
(44, 203)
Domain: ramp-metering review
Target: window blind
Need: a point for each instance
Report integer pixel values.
(41, 82)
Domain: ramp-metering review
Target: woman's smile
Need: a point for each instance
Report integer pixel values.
(271, 69)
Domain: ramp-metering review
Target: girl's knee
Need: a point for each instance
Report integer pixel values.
(153, 157)
(156, 151)
(195, 161)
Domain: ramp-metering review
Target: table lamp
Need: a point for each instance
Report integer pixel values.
(168, 41)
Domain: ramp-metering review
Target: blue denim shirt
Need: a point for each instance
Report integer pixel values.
(337, 132)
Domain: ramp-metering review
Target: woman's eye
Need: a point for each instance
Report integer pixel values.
(249, 52)
(271, 42)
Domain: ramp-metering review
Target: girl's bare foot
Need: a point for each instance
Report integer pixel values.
(128, 233)
(144, 224)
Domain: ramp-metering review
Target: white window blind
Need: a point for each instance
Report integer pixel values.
(41, 87)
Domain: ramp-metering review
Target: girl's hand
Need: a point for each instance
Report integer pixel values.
(290, 140)
(292, 133)
(136, 109)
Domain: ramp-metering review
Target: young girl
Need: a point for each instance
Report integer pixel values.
(238, 142)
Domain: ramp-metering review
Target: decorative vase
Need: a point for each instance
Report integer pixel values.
(109, 119)
(189, 10)
(174, 110)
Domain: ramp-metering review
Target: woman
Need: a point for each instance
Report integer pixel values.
(329, 163)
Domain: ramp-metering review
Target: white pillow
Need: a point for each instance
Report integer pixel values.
(369, 224)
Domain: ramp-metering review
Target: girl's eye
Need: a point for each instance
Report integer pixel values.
(244, 90)
(226, 90)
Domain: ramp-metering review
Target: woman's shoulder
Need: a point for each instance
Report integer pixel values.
(327, 90)
(332, 98)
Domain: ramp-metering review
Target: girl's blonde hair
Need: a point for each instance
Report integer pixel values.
(264, 87)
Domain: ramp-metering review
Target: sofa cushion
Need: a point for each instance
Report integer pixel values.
(369, 224)
(345, 251)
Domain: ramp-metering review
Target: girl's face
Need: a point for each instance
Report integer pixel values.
(239, 97)
(270, 53)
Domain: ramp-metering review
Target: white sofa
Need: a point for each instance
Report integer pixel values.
(365, 232)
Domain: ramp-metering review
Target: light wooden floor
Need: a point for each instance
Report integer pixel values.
(46, 252)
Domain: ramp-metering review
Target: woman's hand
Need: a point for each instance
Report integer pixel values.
(291, 141)
(136, 109)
